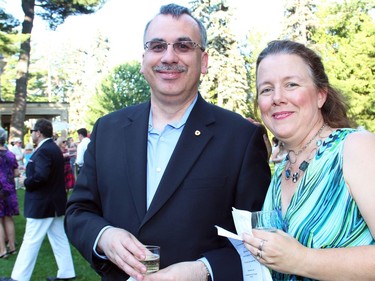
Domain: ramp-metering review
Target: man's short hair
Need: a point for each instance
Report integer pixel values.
(44, 126)
(82, 132)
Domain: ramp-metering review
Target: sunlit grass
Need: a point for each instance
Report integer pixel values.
(46, 264)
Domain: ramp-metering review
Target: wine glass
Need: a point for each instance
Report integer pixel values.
(266, 220)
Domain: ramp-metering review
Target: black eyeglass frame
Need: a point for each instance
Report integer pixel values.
(190, 46)
(32, 131)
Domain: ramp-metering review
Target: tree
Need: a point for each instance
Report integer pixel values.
(8, 33)
(346, 41)
(79, 72)
(250, 52)
(123, 87)
(299, 20)
(226, 82)
(8, 47)
(55, 12)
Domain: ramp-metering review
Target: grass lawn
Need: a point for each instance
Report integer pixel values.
(45, 264)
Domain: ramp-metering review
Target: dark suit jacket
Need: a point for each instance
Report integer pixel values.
(219, 162)
(45, 189)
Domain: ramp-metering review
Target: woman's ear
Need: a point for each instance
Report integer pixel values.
(322, 97)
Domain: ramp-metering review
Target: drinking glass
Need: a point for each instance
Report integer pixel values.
(152, 260)
(266, 220)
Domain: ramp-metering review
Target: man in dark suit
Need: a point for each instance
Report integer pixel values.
(167, 171)
(44, 208)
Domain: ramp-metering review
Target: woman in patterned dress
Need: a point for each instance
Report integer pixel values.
(324, 190)
(68, 171)
(8, 197)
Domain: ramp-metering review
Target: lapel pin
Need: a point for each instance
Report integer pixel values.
(197, 133)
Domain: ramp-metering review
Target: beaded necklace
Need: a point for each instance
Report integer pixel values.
(292, 157)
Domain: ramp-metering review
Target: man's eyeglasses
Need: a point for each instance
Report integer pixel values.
(180, 47)
(32, 131)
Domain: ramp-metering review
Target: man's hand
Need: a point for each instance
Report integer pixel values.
(124, 250)
(183, 271)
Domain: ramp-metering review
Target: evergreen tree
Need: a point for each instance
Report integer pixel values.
(8, 47)
(8, 25)
(346, 41)
(250, 52)
(299, 20)
(82, 74)
(226, 82)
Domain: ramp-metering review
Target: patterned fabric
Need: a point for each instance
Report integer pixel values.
(321, 214)
(68, 174)
(8, 195)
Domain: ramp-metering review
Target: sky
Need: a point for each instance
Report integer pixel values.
(122, 23)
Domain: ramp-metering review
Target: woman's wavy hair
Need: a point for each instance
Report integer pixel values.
(335, 108)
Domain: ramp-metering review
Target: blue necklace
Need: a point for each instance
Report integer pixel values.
(292, 158)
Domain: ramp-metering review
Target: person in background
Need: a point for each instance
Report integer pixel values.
(55, 136)
(84, 140)
(44, 208)
(68, 171)
(27, 152)
(324, 189)
(278, 152)
(8, 198)
(275, 143)
(167, 171)
(72, 149)
(16, 149)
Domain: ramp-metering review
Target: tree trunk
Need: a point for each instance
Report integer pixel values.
(19, 109)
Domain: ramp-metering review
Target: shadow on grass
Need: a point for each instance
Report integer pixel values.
(45, 264)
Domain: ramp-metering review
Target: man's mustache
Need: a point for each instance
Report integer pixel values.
(168, 67)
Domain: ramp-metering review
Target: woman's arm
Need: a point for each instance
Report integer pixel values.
(359, 172)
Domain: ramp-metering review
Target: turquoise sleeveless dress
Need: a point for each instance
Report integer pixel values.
(321, 214)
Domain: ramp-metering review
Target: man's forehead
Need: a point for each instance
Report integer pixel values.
(163, 26)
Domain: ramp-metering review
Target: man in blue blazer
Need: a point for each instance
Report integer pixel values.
(44, 207)
(167, 171)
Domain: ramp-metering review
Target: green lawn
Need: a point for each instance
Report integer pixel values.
(45, 265)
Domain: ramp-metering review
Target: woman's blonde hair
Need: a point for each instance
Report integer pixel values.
(60, 141)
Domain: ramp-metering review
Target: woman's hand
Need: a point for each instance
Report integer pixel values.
(276, 250)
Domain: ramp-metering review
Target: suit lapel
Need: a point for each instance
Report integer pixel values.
(135, 155)
(192, 142)
(36, 151)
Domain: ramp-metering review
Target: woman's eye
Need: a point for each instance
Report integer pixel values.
(265, 90)
(291, 85)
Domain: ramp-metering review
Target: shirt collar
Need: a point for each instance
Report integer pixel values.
(41, 142)
(177, 124)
